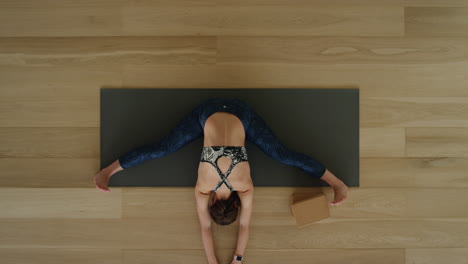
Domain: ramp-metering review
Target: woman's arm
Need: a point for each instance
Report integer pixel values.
(244, 220)
(242, 239)
(205, 225)
(208, 244)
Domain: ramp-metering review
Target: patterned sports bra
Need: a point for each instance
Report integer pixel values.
(211, 154)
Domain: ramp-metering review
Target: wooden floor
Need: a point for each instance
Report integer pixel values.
(409, 58)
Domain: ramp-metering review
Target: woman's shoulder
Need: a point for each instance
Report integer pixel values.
(200, 190)
(248, 189)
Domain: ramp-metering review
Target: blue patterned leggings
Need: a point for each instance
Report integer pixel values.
(190, 127)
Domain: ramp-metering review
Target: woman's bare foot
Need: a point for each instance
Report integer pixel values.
(101, 179)
(340, 188)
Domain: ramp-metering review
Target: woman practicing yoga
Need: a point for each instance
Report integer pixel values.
(225, 123)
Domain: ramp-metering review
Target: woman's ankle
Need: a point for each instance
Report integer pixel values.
(113, 168)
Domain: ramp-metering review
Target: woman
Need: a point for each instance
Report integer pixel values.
(225, 123)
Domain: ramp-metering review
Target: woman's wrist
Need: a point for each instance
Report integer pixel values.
(212, 261)
(234, 260)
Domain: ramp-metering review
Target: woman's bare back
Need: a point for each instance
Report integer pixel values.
(223, 129)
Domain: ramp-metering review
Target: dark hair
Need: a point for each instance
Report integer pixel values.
(224, 212)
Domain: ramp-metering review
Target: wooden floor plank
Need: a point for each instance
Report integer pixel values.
(378, 80)
(60, 203)
(414, 172)
(47, 142)
(436, 21)
(60, 3)
(49, 172)
(113, 51)
(386, 203)
(60, 21)
(382, 142)
(285, 20)
(63, 255)
(310, 50)
(311, 2)
(273, 205)
(60, 81)
(296, 256)
(436, 3)
(84, 233)
(411, 112)
(49, 112)
(437, 141)
(436, 255)
(147, 234)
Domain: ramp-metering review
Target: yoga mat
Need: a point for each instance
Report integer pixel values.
(322, 123)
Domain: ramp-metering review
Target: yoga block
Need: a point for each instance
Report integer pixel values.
(309, 209)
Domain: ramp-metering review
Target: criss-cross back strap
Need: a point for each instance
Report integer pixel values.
(224, 176)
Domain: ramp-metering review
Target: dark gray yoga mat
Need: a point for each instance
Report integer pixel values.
(322, 123)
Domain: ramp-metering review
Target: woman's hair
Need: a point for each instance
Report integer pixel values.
(224, 212)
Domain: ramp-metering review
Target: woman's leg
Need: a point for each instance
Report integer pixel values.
(187, 130)
(263, 137)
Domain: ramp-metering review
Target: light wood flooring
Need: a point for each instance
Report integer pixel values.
(409, 58)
